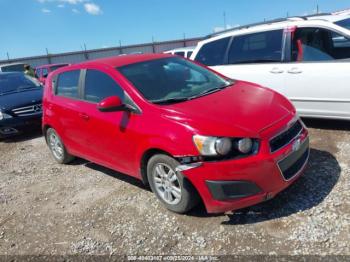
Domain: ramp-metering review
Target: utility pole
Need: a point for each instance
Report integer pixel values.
(317, 9)
(287, 14)
(8, 56)
(184, 40)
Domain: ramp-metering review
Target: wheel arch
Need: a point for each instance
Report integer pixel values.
(44, 129)
(146, 156)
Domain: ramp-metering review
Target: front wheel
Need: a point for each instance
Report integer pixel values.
(57, 147)
(170, 186)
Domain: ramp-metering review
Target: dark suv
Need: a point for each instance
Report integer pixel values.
(20, 103)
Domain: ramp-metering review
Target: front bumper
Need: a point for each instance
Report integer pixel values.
(234, 184)
(19, 124)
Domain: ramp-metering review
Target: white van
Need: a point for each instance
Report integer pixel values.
(305, 59)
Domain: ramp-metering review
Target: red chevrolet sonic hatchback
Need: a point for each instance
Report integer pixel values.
(188, 132)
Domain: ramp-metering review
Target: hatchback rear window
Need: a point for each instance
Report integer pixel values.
(180, 53)
(68, 84)
(344, 23)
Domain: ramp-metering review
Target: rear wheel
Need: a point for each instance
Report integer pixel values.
(57, 147)
(169, 185)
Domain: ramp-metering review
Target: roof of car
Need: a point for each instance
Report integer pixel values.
(118, 61)
(49, 65)
(11, 64)
(271, 25)
(187, 48)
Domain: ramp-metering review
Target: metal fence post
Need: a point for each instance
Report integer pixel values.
(153, 45)
(120, 47)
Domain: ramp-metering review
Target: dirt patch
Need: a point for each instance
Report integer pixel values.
(46, 208)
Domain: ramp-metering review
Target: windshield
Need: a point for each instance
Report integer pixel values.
(344, 23)
(10, 83)
(172, 79)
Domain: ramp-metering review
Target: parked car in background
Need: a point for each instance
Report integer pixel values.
(14, 67)
(183, 51)
(20, 103)
(307, 60)
(230, 143)
(43, 71)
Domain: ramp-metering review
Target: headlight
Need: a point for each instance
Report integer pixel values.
(212, 146)
(224, 146)
(4, 116)
(245, 145)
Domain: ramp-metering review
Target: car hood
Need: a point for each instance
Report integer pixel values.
(19, 99)
(239, 110)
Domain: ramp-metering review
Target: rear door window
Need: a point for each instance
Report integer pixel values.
(213, 53)
(68, 84)
(264, 47)
(99, 86)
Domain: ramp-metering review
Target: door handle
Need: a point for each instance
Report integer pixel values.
(84, 116)
(276, 70)
(294, 70)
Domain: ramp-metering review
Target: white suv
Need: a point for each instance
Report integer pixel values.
(307, 60)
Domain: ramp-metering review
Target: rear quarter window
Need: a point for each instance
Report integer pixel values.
(213, 53)
(68, 84)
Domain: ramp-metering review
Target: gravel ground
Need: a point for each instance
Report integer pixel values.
(83, 208)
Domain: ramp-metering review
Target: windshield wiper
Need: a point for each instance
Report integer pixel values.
(27, 87)
(210, 91)
(170, 100)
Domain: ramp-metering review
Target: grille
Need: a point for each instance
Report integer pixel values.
(28, 110)
(286, 137)
(295, 168)
(291, 165)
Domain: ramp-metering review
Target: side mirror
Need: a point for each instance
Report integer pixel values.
(112, 104)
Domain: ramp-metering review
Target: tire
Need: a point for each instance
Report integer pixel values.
(57, 147)
(167, 184)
